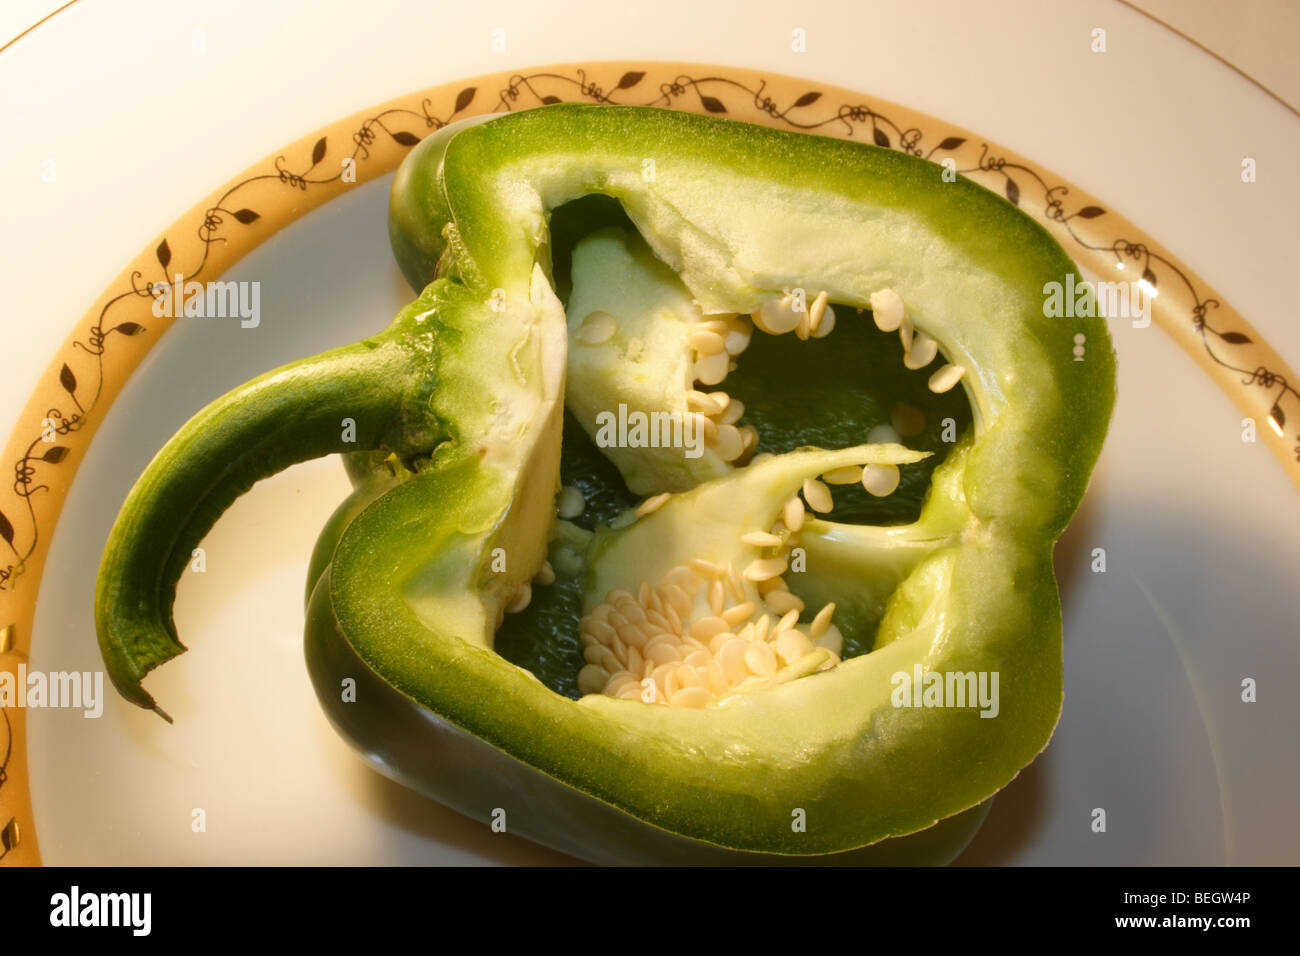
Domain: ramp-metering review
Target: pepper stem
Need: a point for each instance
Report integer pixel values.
(365, 396)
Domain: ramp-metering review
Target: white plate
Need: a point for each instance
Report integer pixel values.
(1200, 530)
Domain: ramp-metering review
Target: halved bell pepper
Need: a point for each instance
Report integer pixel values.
(724, 672)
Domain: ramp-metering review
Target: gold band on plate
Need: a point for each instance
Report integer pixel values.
(90, 368)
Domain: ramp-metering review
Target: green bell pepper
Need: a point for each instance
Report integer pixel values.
(722, 673)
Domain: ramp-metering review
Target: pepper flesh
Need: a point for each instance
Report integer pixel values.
(405, 591)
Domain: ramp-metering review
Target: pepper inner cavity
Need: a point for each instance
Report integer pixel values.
(867, 380)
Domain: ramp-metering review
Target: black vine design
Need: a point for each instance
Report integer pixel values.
(8, 837)
(9, 747)
(1141, 256)
(709, 93)
(4, 762)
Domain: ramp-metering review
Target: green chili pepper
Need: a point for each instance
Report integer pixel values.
(819, 634)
